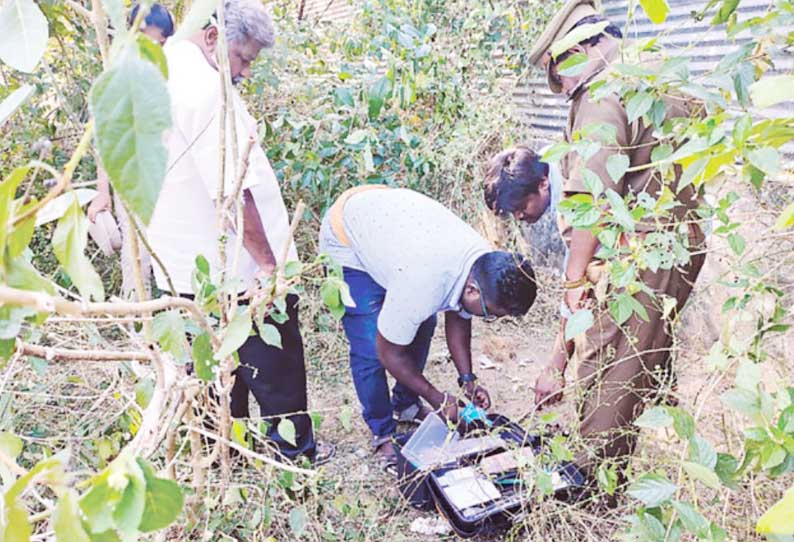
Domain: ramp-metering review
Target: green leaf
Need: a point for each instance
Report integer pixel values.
(298, 519)
(286, 430)
(7, 348)
(786, 218)
(10, 444)
(18, 527)
(652, 489)
(726, 10)
(239, 431)
(726, 468)
(98, 503)
(21, 274)
(164, 500)
(199, 14)
(204, 361)
(578, 323)
(771, 90)
(654, 418)
(270, 334)
(132, 110)
(638, 105)
(14, 101)
(607, 478)
(331, 296)
(703, 474)
(617, 164)
(742, 401)
(236, 334)
(592, 182)
(693, 520)
(66, 520)
(23, 34)
(8, 190)
(621, 308)
(153, 52)
(682, 422)
(772, 455)
(556, 152)
(573, 65)
(576, 36)
(169, 331)
(377, 95)
(69, 243)
(618, 210)
(128, 512)
(656, 10)
(767, 159)
(778, 520)
(701, 451)
(356, 137)
(292, 269)
(737, 243)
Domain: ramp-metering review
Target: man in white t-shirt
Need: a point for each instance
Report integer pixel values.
(406, 258)
(185, 225)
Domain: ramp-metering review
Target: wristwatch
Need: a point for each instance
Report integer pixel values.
(466, 378)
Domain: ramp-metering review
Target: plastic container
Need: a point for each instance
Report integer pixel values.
(422, 449)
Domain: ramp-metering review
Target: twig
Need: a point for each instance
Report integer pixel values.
(46, 303)
(11, 464)
(253, 455)
(77, 7)
(68, 354)
(137, 229)
(100, 20)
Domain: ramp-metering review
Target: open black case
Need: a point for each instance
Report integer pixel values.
(426, 489)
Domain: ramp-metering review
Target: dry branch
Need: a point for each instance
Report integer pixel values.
(68, 354)
(52, 304)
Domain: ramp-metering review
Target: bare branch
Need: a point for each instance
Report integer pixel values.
(68, 354)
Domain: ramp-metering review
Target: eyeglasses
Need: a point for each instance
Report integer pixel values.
(486, 316)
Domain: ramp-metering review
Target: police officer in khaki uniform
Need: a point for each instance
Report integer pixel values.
(619, 368)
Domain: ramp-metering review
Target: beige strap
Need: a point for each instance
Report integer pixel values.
(336, 213)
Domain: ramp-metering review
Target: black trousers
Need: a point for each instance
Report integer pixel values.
(277, 378)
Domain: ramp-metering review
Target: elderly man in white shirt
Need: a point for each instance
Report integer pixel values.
(184, 224)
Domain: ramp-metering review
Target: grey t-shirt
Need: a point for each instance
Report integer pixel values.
(414, 247)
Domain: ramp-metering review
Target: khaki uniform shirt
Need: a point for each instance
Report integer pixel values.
(634, 140)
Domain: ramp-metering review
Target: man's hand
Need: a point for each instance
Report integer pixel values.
(477, 395)
(575, 298)
(449, 408)
(548, 387)
(101, 202)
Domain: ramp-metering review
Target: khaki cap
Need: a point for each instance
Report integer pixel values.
(571, 13)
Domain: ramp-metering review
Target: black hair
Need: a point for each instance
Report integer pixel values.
(506, 280)
(611, 29)
(511, 176)
(158, 16)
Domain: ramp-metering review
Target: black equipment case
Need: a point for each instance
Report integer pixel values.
(423, 490)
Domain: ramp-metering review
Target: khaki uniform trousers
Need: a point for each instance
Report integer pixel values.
(622, 368)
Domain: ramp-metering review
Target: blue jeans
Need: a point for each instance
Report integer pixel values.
(369, 376)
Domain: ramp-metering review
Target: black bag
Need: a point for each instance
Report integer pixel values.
(423, 489)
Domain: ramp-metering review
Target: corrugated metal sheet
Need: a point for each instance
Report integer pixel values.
(329, 10)
(546, 113)
(681, 34)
